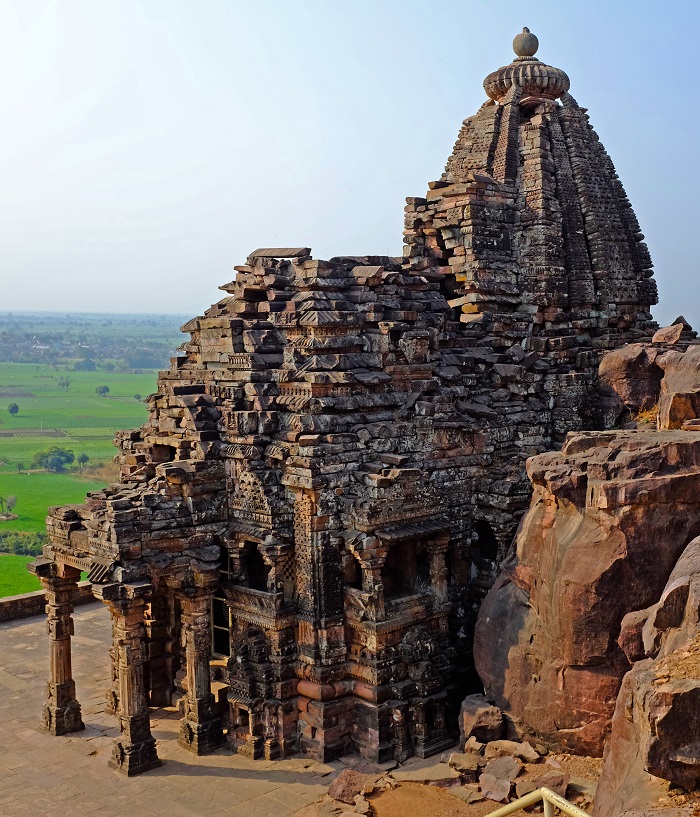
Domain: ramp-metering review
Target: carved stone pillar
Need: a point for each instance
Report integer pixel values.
(201, 729)
(61, 713)
(438, 568)
(112, 695)
(159, 684)
(373, 584)
(134, 751)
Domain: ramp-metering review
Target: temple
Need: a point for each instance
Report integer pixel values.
(333, 468)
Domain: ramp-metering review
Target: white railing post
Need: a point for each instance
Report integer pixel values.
(550, 799)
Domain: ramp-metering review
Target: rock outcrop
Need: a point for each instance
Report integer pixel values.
(632, 373)
(609, 518)
(656, 727)
(679, 398)
(639, 376)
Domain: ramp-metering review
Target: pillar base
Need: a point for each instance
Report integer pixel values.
(253, 748)
(57, 721)
(201, 738)
(61, 715)
(272, 750)
(135, 758)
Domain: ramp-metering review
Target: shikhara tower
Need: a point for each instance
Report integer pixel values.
(334, 467)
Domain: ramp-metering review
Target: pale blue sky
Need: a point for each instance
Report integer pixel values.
(147, 147)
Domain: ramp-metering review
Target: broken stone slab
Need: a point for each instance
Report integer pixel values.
(434, 774)
(493, 788)
(499, 748)
(480, 719)
(505, 767)
(469, 793)
(280, 252)
(474, 746)
(468, 762)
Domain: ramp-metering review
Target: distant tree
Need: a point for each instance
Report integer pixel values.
(20, 467)
(108, 367)
(63, 382)
(13, 408)
(10, 503)
(85, 365)
(137, 397)
(54, 459)
(83, 460)
(103, 391)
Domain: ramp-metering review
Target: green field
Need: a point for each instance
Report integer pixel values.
(14, 578)
(75, 418)
(36, 492)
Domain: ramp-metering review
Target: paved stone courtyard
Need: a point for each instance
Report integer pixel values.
(45, 775)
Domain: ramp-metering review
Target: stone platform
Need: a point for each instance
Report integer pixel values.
(45, 775)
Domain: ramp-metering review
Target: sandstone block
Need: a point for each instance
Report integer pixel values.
(493, 788)
(480, 719)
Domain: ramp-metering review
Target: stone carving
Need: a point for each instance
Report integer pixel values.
(346, 441)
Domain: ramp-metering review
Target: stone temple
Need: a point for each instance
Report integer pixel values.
(334, 467)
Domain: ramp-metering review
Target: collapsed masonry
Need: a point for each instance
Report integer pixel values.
(335, 465)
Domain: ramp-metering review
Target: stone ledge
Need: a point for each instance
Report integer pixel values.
(34, 604)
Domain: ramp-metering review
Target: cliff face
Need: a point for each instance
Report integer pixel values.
(610, 515)
(656, 726)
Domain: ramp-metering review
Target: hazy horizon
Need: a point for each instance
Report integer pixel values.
(148, 148)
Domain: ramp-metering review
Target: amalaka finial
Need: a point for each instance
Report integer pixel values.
(525, 44)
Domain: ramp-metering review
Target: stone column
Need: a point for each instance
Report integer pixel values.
(112, 694)
(134, 751)
(200, 730)
(159, 684)
(61, 713)
(438, 567)
(373, 584)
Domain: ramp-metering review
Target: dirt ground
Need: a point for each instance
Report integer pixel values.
(409, 799)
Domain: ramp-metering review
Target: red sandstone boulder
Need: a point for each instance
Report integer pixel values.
(631, 640)
(609, 517)
(679, 398)
(480, 719)
(668, 334)
(349, 784)
(656, 726)
(632, 374)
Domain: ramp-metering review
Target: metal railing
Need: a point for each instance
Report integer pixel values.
(550, 799)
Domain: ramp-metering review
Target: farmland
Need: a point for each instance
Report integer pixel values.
(52, 400)
(14, 578)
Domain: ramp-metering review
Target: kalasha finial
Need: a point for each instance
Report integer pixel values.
(526, 44)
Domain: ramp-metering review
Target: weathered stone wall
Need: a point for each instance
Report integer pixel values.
(25, 605)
